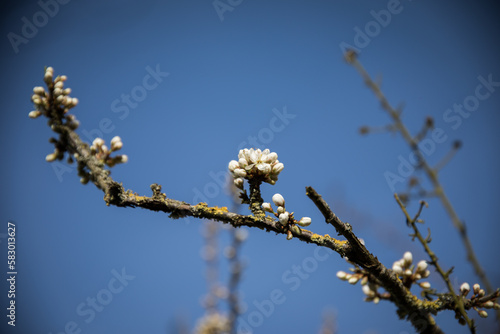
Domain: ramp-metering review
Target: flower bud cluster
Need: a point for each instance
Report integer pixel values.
(213, 323)
(103, 153)
(410, 273)
(254, 163)
(57, 97)
(477, 295)
(370, 289)
(285, 218)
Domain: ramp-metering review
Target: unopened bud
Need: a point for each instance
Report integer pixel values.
(343, 275)
(267, 207)
(464, 289)
(483, 314)
(353, 279)
(238, 183)
(284, 218)
(51, 157)
(278, 200)
(233, 164)
(304, 221)
(34, 114)
(408, 258)
(421, 266)
(425, 285)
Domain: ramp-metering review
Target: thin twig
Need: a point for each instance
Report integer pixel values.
(430, 172)
(434, 261)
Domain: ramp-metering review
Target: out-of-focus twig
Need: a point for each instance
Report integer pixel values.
(431, 173)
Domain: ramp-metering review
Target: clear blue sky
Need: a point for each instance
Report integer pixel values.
(231, 79)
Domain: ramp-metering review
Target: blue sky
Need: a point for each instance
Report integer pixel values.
(268, 74)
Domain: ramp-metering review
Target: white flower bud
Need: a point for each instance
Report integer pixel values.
(483, 314)
(343, 275)
(368, 291)
(98, 142)
(39, 90)
(465, 288)
(74, 101)
(34, 114)
(278, 200)
(51, 157)
(304, 221)
(476, 288)
(48, 77)
(267, 207)
(421, 266)
(284, 218)
(489, 304)
(408, 258)
(353, 280)
(233, 164)
(238, 183)
(115, 139)
(426, 274)
(281, 209)
(407, 272)
(277, 168)
(66, 91)
(481, 293)
(425, 285)
(116, 146)
(59, 85)
(36, 99)
(270, 157)
(243, 162)
(396, 267)
(376, 300)
(240, 172)
(124, 158)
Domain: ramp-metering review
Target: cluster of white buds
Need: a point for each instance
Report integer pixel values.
(285, 218)
(410, 273)
(477, 294)
(103, 153)
(254, 163)
(370, 289)
(213, 323)
(58, 95)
